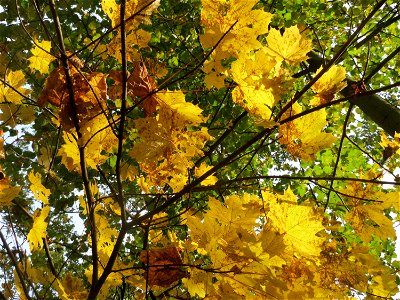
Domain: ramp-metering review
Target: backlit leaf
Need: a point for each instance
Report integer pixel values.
(291, 46)
(303, 136)
(41, 57)
(298, 222)
(330, 83)
(37, 188)
(38, 231)
(13, 90)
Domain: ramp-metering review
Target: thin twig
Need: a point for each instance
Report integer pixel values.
(331, 62)
(346, 121)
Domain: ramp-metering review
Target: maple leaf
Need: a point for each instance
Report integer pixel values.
(291, 46)
(299, 223)
(390, 146)
(73, 287)
(369, 218)
(145, 7)
(384, 285)
(38, 230)
(7, 194)
(210, 180)
(128, 172)
(224, 227)
(39, 191)
(106, 234)
(254, 90)
(140, 84)
(54, 88)
(41, 58)
(258, 102)
(195, 283)
(303, 136)
(166, 146)
(136, 39)
(163, 265)
(176, 112)
(330, 83)
(12, 114)
(217, 18)
(90, 93)
(16, 80)
(98, 138)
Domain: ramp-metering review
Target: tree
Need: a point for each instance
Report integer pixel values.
(199, 149)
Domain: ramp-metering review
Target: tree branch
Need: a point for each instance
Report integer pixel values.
(85, 176)
(331, 62)
(15, 264)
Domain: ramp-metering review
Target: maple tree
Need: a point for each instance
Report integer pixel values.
(199, 149)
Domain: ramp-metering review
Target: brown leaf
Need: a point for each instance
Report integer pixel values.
(54, 88)
(163, 265)
(90, 93)
(140, 84)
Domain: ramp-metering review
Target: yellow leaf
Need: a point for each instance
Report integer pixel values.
(168, 143)
(330, 83)
(111, 8)
(303, 136)
(128, 172)
(18, 286)
(196, 283)
(369, 220)
(141, 9)
(391, 146)
(210, 180)
(73, 287)
(45, 157)
(69, 153)
(11, 114)
(38, 231)
(41, 58)
(257, 101)
(97, 137)
(298, 223)
(225, 226)
(177, 182)
(176, 111)
(368, 217)
(8, 194)
(258, 85)
(1, 145)
(38, 190)
(384, 285)
(291, 47)
(15, 79)
(218, 17)
(136, 39)
(106, 236)
(82, 204)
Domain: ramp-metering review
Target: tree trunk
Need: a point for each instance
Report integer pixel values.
(375, 107)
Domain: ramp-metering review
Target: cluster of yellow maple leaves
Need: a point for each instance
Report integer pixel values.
(260, 247)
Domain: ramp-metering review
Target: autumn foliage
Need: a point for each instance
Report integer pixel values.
(207, 171)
